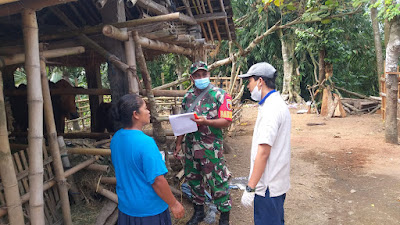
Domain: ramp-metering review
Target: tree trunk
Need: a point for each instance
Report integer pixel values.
(321, 66)
(112, 12)
(35, 113)
(392, 58)
(7, 172)
(378, 43)
(159, 132)
(291, 80)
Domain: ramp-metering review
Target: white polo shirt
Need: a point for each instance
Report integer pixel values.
(273, 128)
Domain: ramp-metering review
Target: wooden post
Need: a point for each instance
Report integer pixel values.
(35, 112)
(54, 148)
(158, 131)
(7, 172)
(113, 12)
(131, 60)
(93, 78)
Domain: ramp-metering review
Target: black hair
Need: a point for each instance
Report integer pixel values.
(270, 82)
(123, 110)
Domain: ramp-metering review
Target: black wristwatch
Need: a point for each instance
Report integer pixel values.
(249, 189)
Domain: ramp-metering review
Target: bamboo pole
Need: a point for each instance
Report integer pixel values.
(116, 33)
(83, 91)
(35, 110)
(18, 7)
(152, 6)
(92, 135)
(19, 58)
(113, 32)
(89, 151)
(179, 81)
(106, 193)
(98, 167)
(54, 148)
(7, 171)
(108, 180)
(84, 39)
(51, 183)
(162, 46)
(130, 23)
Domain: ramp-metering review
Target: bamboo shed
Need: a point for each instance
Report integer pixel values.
(86, 33)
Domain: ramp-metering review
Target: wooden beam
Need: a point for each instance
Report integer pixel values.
(18, 7)
(20, 58)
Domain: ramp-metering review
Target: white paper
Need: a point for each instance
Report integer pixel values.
(182, 123)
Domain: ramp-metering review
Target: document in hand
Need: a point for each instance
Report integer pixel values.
(182, 123)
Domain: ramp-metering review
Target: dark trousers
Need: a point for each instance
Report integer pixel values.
(269, 210)
(163, 218)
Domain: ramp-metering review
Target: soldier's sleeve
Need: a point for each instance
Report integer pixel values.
(225, 110)
(184, 103)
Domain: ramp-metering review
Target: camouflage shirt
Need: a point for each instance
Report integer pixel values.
(207, 140)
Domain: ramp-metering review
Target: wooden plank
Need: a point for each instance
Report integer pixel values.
(326, 100)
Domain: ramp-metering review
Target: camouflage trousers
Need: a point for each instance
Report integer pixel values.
(215, 172)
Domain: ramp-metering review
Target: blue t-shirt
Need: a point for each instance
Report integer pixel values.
(137, 162)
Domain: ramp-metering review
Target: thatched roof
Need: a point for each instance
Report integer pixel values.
(215, 21)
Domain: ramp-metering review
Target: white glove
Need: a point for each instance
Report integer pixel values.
(248, 199)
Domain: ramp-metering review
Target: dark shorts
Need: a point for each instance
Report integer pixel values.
(163, 218)
(269, 210)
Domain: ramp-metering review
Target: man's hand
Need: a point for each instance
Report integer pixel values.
(177, 210)
(178, 148)
(248, 199)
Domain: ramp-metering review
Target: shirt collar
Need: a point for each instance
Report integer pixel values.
(266, 96)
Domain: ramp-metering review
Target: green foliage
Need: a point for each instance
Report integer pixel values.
(169, 65)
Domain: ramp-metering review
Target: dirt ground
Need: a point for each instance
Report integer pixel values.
(342, 172)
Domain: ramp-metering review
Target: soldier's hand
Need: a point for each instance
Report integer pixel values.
(177, 210)
(201, 120)
(178, 148)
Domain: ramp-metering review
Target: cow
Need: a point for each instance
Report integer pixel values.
(104, 118)
(63, 107)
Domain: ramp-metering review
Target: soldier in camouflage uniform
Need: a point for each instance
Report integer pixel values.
(203, 152)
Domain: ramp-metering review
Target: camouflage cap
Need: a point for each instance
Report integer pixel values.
(200, 65)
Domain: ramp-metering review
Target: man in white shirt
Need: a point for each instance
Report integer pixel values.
(270, 150)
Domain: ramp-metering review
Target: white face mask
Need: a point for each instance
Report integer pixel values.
(256, 93)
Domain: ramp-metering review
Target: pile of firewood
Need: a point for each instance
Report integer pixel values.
(359, 106)
(335, 106)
